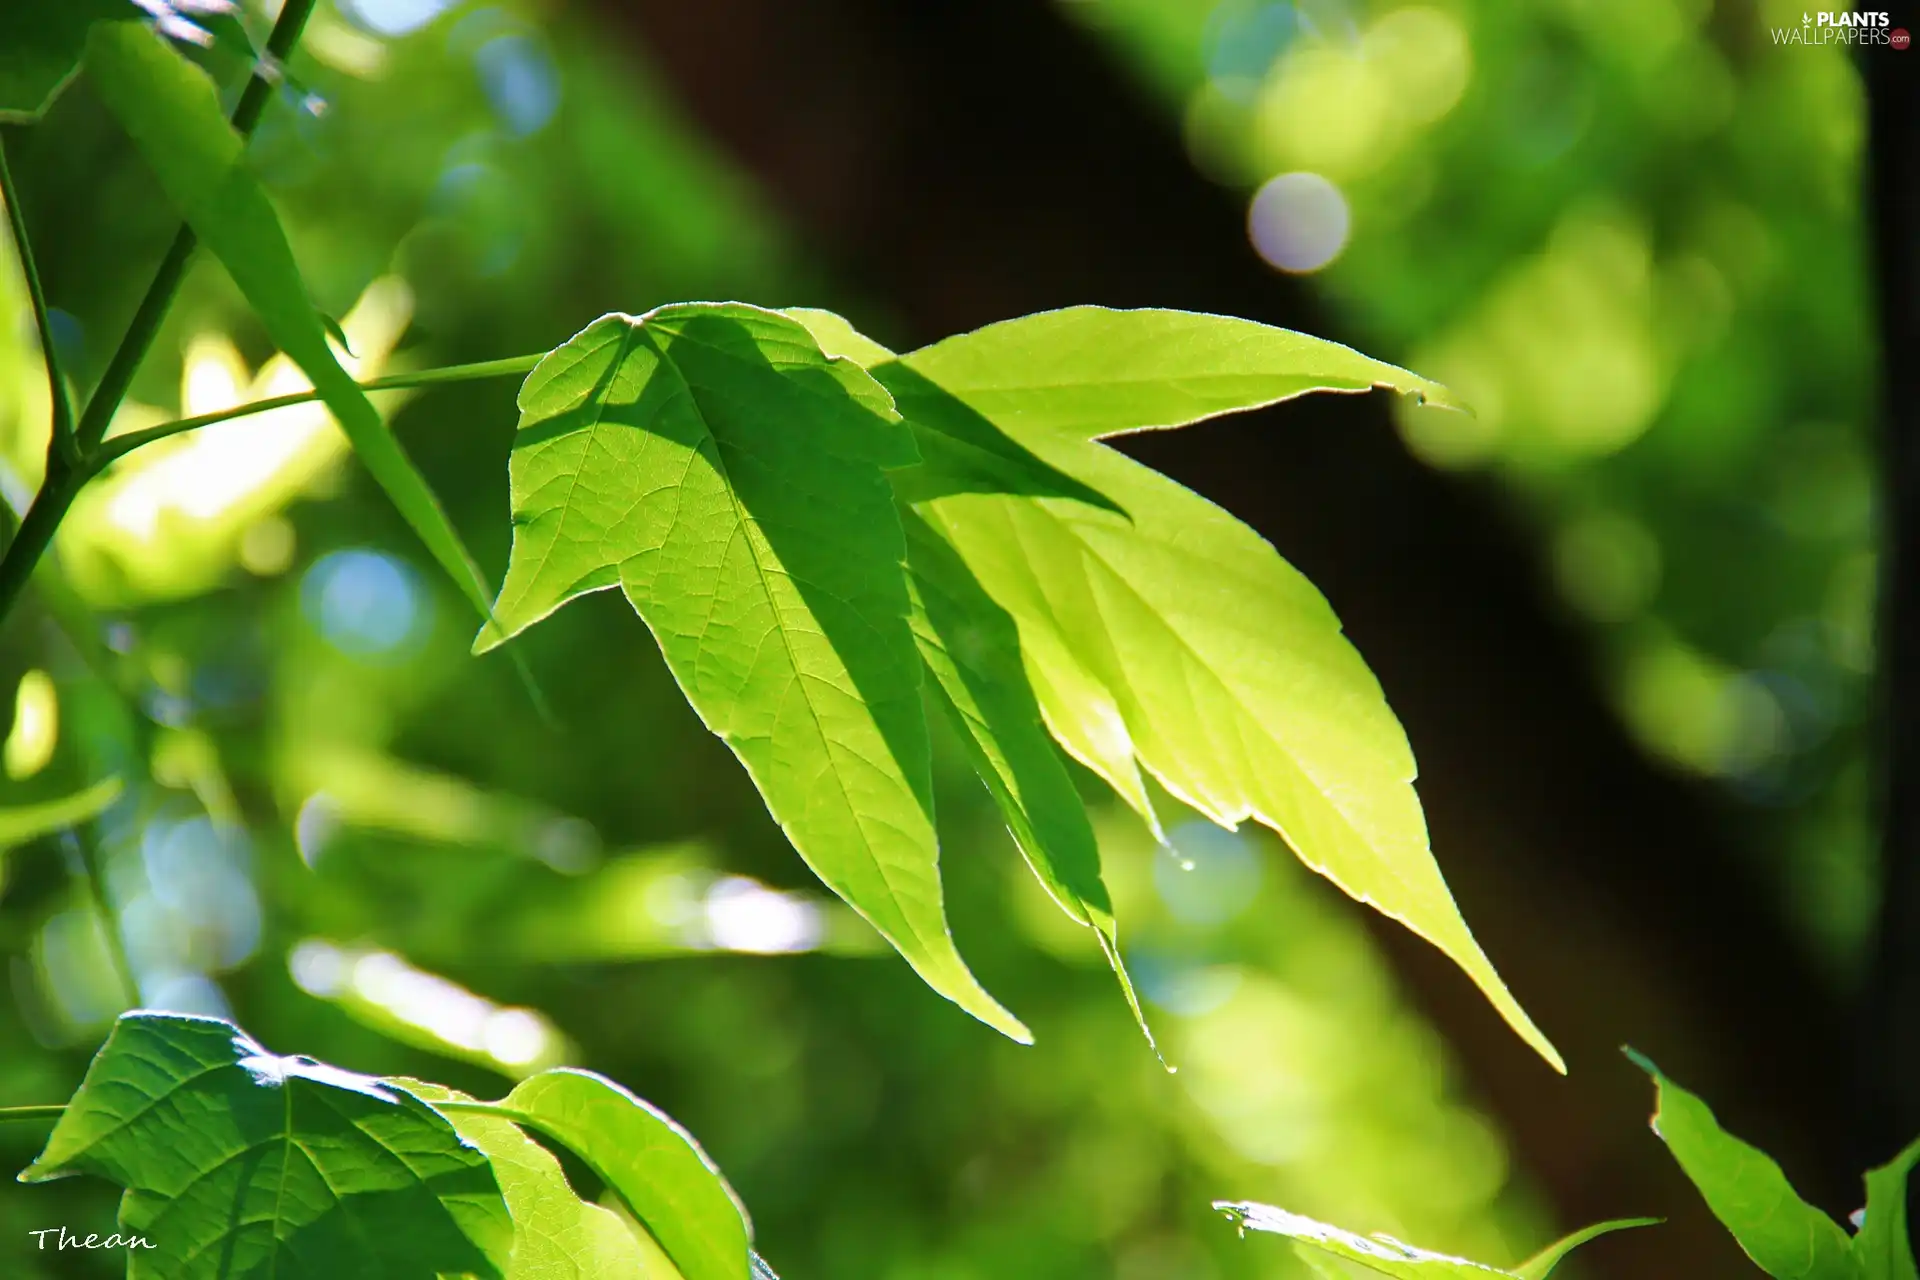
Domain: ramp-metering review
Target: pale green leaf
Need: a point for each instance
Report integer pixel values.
(1541, 1264)
(1089, 372)
(1383, 1254)
(556, 1235)
(171, 110)
(657, 1168)
(41, 42)
(30, 821)
(1174, 637)
(1785, 1236)
(240, 1164)
(710, 461)
(972, 649)
(1391, 1257)
(1883, 1246)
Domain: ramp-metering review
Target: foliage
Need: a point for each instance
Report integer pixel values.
(240, 1163)
(1785, 1236)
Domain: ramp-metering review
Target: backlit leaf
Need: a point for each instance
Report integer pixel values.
(556, 1235)
(728, 477)
(1786, 1237)
(657, 1168)
(972, 649)
(238, 1163)
(172, 112)
(1390, 1257)
(1173, 637)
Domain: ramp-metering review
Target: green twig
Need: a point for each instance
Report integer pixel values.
(139, 337)
(121, 445)
(51, 1112)
(62, 441)
(109, 922)
(64, 475)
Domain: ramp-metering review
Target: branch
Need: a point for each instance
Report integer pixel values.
(62, 440)
(52, 1112)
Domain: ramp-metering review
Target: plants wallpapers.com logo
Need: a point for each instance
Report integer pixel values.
(1845, 27)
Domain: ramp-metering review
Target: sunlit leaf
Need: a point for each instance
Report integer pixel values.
(1785, 1236)
(1883, 1247)
(22, 823)
(1541, 1264)
(972, 650)
(1173, 636)
(1391, 1257)
(172, 112)
(238, 1163)
(556, 1235)
(657, 1168)
(713, 464)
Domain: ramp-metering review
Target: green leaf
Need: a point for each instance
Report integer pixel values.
(1391, 1257)
(1541, 1264)
(238, 1163)
(556, 1235)
(972, 649)
(657, 1168)
(960, 451)
(1089, 372)
(1883, 1247)
(172, 112)
(727, 476)
(1174, 637)
(1383, 1254)
(30, 821)
(1784, 1235)
(41, 42)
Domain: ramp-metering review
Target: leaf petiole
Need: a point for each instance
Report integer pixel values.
(119, 446)
(56, 385)
(52, 1111)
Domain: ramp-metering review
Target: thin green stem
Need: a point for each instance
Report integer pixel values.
(51, 1112)
(121, 445)
(62, 440)
(140, 334)
(109, 922)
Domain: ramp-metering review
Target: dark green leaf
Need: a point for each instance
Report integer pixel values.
(41, 43)
(711, 462)
(238, 1163)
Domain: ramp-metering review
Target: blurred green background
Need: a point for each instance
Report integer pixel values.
(1626, 611)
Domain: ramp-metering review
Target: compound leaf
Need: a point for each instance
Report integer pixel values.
(654, 1165)
(171, 110)
(1173, 636)
(240, 1164)
(971, 647)
(710, 461)
(1785, 1236)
